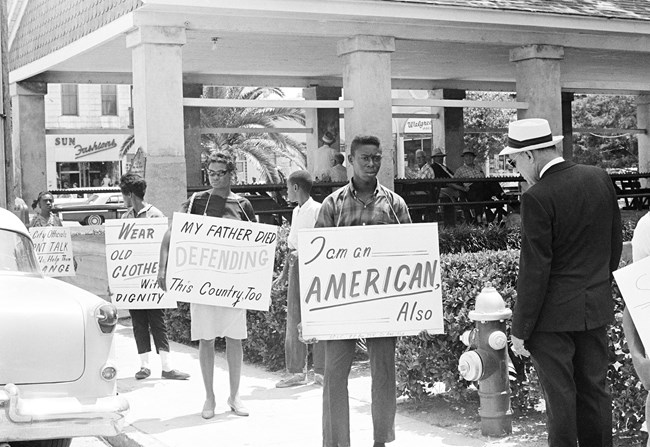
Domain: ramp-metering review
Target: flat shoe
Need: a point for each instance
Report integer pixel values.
(207, 413)
(175, 374)
(143, 373)
(238, 408)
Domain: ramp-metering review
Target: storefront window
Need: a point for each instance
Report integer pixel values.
(88, 174)
(109, 100)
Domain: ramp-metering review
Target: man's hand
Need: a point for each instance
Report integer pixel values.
(642, 367)
(162, 280)
(518, 347)
(311, 341)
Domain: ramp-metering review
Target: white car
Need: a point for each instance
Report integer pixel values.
(56, 379)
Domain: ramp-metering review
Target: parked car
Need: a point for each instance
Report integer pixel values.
(94, 210)
(56, 379)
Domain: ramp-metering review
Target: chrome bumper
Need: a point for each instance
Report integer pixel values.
(60, 417)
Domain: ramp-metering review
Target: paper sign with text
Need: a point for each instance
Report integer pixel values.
(132, 252)
(221, 262)
(53, 247)
(370, 281)
(634, 283)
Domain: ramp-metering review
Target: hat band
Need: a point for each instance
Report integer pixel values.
(516, 144)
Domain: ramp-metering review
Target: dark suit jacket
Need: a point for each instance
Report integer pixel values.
(571, 242)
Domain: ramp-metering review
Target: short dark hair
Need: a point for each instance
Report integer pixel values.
(220, 156)
(133, 184)
(339, 157)
(301, 178)
(363, 140)
(40, 196)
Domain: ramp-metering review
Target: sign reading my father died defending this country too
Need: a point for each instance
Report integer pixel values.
(221, 262)
(370, 281)
(132, 252)
(53, 246)
(634, 283)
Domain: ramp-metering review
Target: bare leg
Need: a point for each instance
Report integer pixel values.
(206, 361)
(235, 358)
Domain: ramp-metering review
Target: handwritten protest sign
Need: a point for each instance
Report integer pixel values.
(132, 252)
(53, 247)
(634, 283)
(370, 281)
(221, 262)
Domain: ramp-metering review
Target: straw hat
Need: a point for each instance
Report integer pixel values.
(528, 135)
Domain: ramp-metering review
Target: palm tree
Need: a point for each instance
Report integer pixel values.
(259, 149)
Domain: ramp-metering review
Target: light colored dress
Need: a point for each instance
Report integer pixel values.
(209, 322)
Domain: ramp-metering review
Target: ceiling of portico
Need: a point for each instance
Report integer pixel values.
(248, 59)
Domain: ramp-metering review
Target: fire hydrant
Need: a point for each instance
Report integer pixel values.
(488, 361)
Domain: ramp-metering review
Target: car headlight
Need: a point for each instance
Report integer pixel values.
(109, 372)
(106, 315)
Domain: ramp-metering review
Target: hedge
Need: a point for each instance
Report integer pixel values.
(468, 262)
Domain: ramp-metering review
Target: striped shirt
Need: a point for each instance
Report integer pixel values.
(343, 208)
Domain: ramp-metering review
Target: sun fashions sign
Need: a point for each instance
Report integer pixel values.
(221, 262)
(634, 283)
(85, 147)
(370, 281)
(132, 252)
(53, 246)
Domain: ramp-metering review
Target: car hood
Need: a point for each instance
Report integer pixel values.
(42, 329)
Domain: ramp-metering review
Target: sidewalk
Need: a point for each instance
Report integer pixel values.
(166, 413)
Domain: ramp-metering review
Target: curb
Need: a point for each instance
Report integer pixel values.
(132, 437)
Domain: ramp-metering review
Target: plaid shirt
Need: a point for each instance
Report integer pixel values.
(343, 208)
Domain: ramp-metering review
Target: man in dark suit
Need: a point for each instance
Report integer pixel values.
(571, 242)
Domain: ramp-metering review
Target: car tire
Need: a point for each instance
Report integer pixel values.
(94, 219)
(65, 442)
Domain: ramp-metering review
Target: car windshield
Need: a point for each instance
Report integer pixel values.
(17, 253)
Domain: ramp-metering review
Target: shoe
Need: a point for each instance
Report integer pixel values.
(175, 374)
(379, 444)
(208, 410)
(318, 379)
(294, 380)
(143, 373)
(238, 407)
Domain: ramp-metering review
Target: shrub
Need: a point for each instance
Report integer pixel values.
(466, 238)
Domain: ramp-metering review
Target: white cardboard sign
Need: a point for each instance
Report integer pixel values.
(634, 283)
(370, 281)
(132, 252)
(221, 262)
(53, 246)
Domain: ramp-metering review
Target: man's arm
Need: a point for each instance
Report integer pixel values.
(534, 266)
(162, 261)
(326, 215)
(617, 232)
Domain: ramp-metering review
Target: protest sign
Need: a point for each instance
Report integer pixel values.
(370, 281)
(132, 252)
(221, 262)
(634, 283)
(53, 247)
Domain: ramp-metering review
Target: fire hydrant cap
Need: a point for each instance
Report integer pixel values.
(490, 306)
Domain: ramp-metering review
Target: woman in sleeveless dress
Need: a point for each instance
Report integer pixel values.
(209, 322)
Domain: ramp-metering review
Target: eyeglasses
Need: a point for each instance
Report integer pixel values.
(512, 163)
(221, 173)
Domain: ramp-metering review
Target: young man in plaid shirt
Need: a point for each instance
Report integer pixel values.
(363, 201)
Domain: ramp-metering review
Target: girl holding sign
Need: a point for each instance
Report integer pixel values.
(45, 217)
(209, 322)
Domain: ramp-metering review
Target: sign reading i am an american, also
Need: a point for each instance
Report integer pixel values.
(370, 281)
(132, 252)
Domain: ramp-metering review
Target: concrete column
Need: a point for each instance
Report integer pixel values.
(567, 126)
(454, 130)
(158, 112)
(538, 82)
(28, 139)
(367, 81)
(319, 152)
(192, 123)
(643, 122)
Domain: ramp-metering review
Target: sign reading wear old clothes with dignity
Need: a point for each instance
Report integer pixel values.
(634, 283)
(370, 281)
(53, 246)
(221, 262)
(132, 252)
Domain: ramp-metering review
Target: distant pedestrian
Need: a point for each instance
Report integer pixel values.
(147, 322)
(570, 245)
(209, 322)
(363, 201)
(295, 351)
